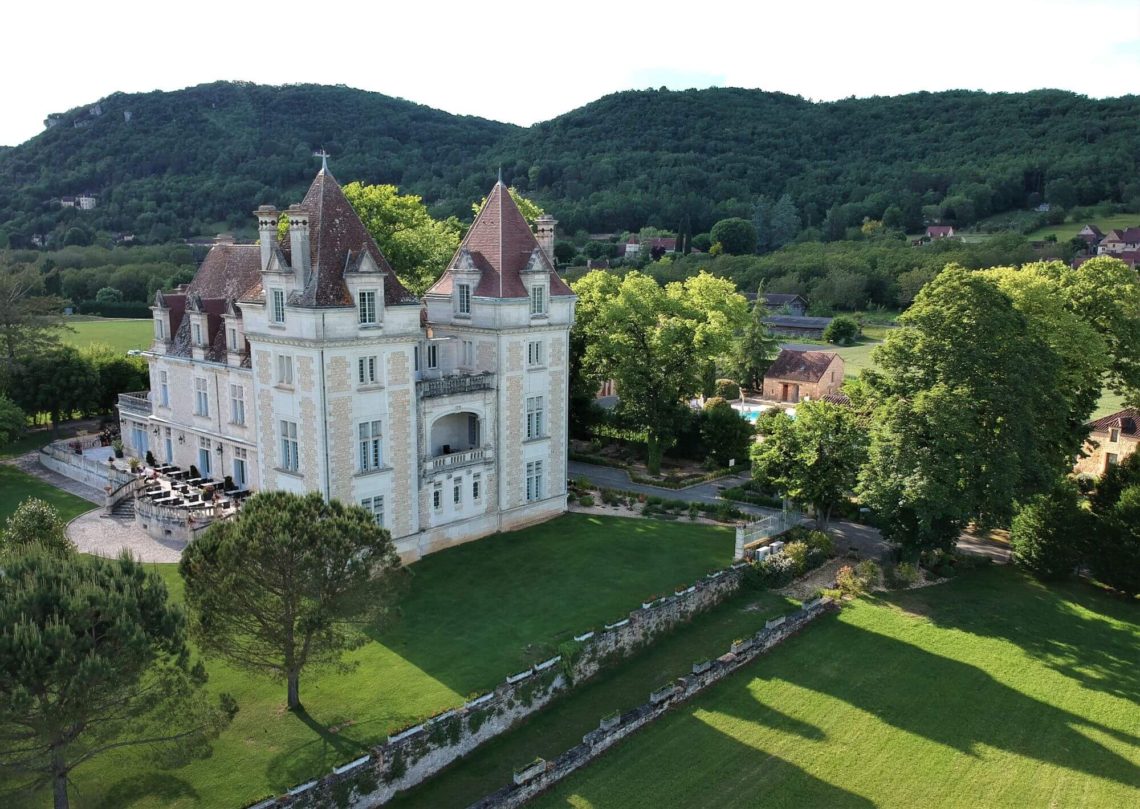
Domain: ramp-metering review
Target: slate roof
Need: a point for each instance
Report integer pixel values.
(794, 321)
(778, 299)
(1126, 420)
(500, 246)
(800, 366)
(337, 237)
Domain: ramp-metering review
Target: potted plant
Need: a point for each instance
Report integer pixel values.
(134, 463)
(117, 446)
(194, 472)
(228, 484)
(150, 459)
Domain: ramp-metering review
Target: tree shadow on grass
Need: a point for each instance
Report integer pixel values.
(957, 704)
(156, 787)
(328, 746)
(1073, 628)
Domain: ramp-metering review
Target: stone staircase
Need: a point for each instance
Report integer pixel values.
(124, 509)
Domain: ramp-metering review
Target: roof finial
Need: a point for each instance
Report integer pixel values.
(324, 156)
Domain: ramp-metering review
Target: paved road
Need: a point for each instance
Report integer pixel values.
(864, 539)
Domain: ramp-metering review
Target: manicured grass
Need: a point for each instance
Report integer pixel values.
(991, 690)
(1069, 229)
(16, 485)
(120, 334)
(30, 440)
(562, 724)
(474, 614)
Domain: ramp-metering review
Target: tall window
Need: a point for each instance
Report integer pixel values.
(1113, 435)
(290, 460)
(168, 444)
(366, 306)
(204, 458)
(375, 507)
(164, 388)
(432, 356)
(538, 300)
(233, 339)
(534, 480)
(366, 370)
(201, 398)
(476, 486)
(468, 354)
(159, 329)
(464, 294)
(237, 404)
(284, 369)
(534, 353)
(457, 492)
(277, 313)
(370, 446)
(240, 474)
(534, 417)
(416, 358)
(198, 334)
(437, 497)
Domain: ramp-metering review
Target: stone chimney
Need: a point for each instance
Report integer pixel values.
(266, 231)
(301, 257)
(544, 232)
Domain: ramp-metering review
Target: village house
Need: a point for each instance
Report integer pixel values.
(783, 303)
(1120, 240)
(1112, 438)
(940, 232)
(1090, 235)
(796, 376)
(793, 326)
(303, 364)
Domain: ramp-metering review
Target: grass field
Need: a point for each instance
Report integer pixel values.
(475, 613)
(1068, 230)
(16, 485)
(120, 334)
(991, 690)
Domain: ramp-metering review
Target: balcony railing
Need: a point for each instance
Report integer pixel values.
(450, 385)
(453, 460)
(138, 402)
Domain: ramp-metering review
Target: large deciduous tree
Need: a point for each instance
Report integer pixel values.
(735, 236)
(814, 458)
(727, 435)
(968, 418)
(289, 584)
(655, 342)
(61, 382)
(13, 420)
(416, 245)
(30, 321)
(93, 657)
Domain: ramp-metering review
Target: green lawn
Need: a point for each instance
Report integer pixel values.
(120, 334)
(16, 485)
(991, 690)
(562, 724)
(475, 613)
(1069, 229)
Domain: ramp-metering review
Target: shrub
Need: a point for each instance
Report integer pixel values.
(571, 497)
(798, 553)
(842, 330)
(727, 389)
(586, 500)
(35, 521)
(726, 434)
(775, 571)
(820, 541)
(108, 295)
(12, 420)
(904, 574)
(1046, 532)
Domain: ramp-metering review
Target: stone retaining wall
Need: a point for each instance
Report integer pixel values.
(541, 775)
(415, 754)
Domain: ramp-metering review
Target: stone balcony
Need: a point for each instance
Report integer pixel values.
(455, 460)
(138, 402)
(455, 384)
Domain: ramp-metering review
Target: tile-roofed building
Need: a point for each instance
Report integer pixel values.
(502, 250)
(940, 231)
(796, 326)
(301, 363)
(1120, 240)
(1112, 438)
(796, 375)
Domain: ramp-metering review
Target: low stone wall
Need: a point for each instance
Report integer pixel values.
(415, 754)
(85, 470)
(540, 775)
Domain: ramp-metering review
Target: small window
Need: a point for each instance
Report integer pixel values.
(457, 492)
(534, 417)
(468, 354)
(1111, 459)
(233, 339)
(366, 305)
(160, 330)
(284, 369)
(1113, 435)
(198, 334)
(476, 487)
(201, 397)
(237, 404)
(163, 388)
(538, 300)
(370, 446)
(366, 370)
(437, 497)
(534, 480)
(375, 507)
(432, 356)
(534, 353)
(290, 461)
(463, 299)
(277, 312)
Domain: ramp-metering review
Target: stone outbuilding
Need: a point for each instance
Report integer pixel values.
(797, 375)
(1112, 438)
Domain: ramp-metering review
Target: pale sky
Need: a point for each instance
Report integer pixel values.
(530, 61)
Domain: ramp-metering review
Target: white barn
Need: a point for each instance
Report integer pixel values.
(303, 364)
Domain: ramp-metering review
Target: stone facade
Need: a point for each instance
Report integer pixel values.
(799, 375)
(448, 421)
(1111, 439)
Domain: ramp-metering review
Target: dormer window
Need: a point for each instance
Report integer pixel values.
(277, 306)
(1113, 435)
(463, 299)
(366, 307)
(197, 334)
(233, 339)
(537, 300)
(159, 329)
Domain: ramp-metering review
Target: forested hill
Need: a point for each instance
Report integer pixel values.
(188, 162)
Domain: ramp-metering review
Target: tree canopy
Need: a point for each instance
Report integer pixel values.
(289, 584)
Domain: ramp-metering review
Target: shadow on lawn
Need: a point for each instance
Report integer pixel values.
(1068, 627)
(161, 787)
(328, 746)
(959, 705)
